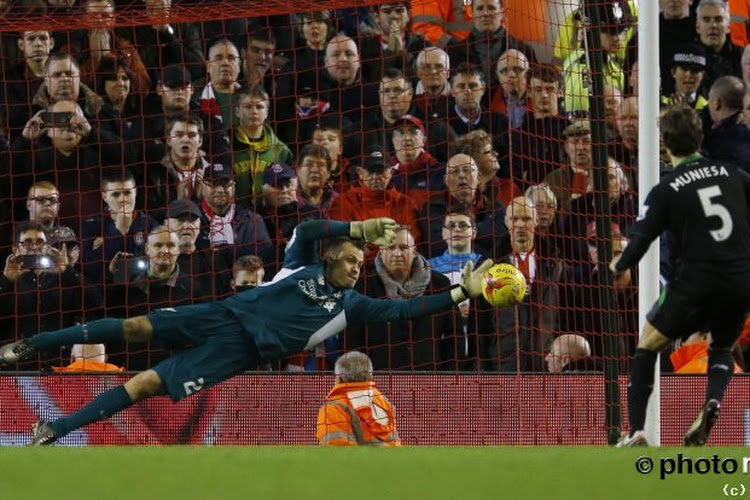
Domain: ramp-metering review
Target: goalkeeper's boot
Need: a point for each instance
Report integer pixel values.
(698, 433)
(43, 434)
(638, 438)
(16, 351)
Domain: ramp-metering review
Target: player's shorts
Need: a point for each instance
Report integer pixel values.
(215, 347)
(703, 303)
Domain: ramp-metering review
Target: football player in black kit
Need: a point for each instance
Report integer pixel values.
(704, 206)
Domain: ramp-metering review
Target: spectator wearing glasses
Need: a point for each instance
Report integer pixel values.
(494, 179)
(43, 204)
(510, 97)
(315, 194)
(415, 172)
(401, 273)
(397, 100)
(36, 273)
(459, 233)
(462, 182)
(223, 67)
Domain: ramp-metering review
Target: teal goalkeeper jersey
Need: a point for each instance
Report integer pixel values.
(300, 309)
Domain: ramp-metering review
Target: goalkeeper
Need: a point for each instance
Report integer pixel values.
(307, 302)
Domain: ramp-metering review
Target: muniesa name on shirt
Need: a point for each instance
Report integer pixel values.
(686, 178)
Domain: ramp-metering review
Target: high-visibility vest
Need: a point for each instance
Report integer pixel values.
(357, 413)
(739, 16)
(439, 20)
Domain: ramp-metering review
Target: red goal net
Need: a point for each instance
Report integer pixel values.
(160, 153)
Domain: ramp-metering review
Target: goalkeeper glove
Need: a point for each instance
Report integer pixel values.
(380, 231)
(471, 281)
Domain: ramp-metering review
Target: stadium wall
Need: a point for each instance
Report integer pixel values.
(445, 409)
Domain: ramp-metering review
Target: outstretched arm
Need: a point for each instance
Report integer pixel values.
(361, 309)
(302, 248)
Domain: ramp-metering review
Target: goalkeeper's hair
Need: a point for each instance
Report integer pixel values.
(333, 247)
(353, 366)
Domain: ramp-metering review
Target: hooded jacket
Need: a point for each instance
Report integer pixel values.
(250, 159)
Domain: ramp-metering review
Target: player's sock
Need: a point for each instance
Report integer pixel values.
(720, 369)
(102, 407)
(96, 332)
(640, 386)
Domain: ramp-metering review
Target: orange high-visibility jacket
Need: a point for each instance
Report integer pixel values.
(739, 15)
(356, 413)
(439, 20)
(693, 358)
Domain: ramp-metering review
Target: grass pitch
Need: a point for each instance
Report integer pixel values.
(359, 473)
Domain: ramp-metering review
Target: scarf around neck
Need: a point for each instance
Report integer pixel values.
(414, 287)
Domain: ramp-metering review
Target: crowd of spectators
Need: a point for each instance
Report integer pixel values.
(169, 163)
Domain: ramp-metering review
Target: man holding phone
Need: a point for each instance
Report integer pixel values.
(36, 273)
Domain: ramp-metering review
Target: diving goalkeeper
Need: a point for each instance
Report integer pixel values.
(307, 302)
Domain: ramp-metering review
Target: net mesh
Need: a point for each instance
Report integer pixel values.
(261, 118)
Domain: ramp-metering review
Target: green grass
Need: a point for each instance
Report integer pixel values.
(353, 473)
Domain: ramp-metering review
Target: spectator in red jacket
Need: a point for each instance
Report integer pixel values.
(415, 172)
(373, 198)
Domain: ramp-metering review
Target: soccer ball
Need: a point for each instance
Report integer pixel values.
(504, 285)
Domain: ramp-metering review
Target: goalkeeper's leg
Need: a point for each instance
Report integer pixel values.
(142, 386)
(138, 329)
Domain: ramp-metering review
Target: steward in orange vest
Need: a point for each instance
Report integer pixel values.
(355, 412)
